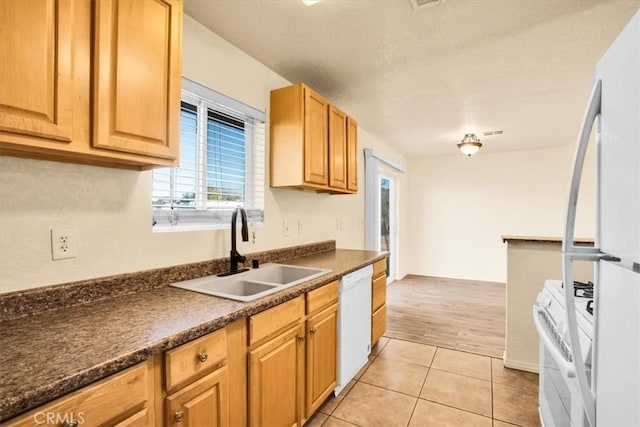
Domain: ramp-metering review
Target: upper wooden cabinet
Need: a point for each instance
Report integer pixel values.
(94, 82)
(36, 66)
(311, 142)
(315, 138)
(337, 148)
(352, 155)
(136, 76)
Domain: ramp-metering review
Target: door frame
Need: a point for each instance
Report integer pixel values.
(373, 160)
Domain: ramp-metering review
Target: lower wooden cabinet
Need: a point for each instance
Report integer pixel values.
(378, 324)
(322, 357)
(123, 399)
(273, 369)
(378, 300)
(205, 402)
(276, 380)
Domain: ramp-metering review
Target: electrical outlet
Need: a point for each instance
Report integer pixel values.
(63, 243)
(285, 229)
(300, 226)
(339, 223)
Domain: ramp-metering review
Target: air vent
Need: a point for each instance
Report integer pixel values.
(417, 4)
(493, 132)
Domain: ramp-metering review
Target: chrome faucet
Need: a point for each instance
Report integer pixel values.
(234, 255)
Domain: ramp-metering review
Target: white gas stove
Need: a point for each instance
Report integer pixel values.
(558, 386)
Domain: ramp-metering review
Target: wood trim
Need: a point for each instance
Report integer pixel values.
(237, 367)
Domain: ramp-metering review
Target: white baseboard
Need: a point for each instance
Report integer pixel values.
(523, 366)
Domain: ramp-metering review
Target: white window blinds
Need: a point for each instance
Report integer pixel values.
(222, 157)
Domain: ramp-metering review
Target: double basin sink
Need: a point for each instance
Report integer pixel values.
(253, 284)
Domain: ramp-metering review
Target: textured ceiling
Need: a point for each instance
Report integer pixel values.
(419, 79)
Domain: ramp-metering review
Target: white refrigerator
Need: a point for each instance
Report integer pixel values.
(611, 394)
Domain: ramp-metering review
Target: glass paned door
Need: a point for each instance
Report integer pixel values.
(387, 228)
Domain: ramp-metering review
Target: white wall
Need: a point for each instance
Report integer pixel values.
(461, 206)
(110, 208)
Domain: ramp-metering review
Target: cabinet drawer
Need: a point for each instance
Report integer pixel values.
(272, 320)
(139, 419)
(116, 400)
(380, 267)
(322, 297)
(378, 324)
(195, 358)
(378, 292)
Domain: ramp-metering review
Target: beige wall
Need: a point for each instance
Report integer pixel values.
(110, 209)
(529, 265)
(461, 206)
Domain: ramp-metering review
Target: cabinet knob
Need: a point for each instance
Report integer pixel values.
(70, 423)
(202, 357)
(179, 416)
(312, 330)
(300, 337)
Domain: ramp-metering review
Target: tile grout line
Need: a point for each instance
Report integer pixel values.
(421, 387)
(491, 371)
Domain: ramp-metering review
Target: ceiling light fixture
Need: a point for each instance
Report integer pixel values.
(310, 2)
(470, 144)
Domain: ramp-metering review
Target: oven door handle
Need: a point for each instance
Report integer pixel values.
(566, 366)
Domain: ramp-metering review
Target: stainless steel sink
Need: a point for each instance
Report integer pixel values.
(253, 284)
(284, 274)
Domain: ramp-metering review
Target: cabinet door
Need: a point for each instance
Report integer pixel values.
(203, 403)
(352, 154)
(276, 380)
(322, 351)
(136, 80)
(337, 148)
(316, 170)
(36, 69)
(378, 324)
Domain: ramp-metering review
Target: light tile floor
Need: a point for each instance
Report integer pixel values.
(410, 384)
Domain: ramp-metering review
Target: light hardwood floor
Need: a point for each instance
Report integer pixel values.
(459, 314)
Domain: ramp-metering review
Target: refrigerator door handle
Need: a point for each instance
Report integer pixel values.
(571, 252)
(593, 110)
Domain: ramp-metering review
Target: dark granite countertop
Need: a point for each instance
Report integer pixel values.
(50, 354)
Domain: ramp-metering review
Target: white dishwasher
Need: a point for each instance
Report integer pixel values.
(354, 324)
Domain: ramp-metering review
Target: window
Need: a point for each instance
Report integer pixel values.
(221, 164)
